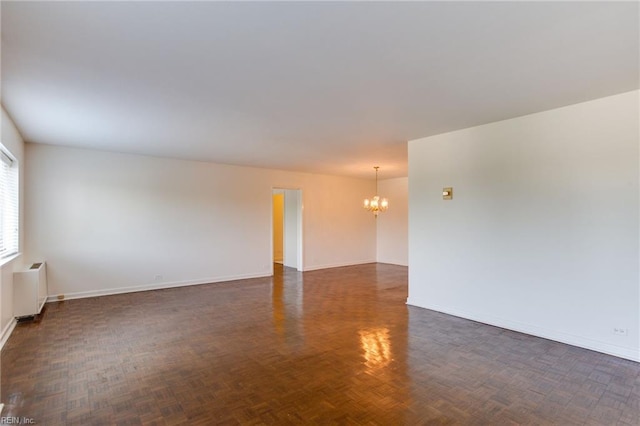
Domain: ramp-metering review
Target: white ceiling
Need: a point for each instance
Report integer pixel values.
(321, 87)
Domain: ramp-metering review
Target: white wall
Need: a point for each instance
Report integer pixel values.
(292, 203)
(542, 233)
(12, 140)
(108, 222)
(393, 225)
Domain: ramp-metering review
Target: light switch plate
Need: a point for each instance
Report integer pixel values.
(447, 193)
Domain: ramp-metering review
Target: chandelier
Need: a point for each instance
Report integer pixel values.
(376, 204)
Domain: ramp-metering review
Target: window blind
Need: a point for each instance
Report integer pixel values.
(8, 204)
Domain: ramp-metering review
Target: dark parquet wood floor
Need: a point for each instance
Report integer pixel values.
(337, 346)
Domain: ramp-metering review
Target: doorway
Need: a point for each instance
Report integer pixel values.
(278, 226)
(286, 229)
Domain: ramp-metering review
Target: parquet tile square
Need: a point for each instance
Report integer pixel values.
(338, 346)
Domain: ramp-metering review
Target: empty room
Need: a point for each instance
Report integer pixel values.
(389, 213)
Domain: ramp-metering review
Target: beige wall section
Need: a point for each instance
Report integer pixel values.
(108, 222)
(12, 140)
(393, 225)
(542, 233)
(278, 230)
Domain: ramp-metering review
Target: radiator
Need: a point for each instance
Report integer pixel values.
(30, 290)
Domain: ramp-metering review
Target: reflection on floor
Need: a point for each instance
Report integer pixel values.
(322, 347)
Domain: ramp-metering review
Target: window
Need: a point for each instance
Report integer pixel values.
(8, 204)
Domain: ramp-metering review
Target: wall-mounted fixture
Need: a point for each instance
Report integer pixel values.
(376, 204)
(447, 193)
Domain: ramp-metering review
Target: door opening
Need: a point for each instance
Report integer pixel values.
(287, 227)
(278, 226)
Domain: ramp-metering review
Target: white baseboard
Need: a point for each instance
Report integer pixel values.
(154, 286)
(336, 265)
(391, 262)
(158, 286)
(533, 330)
(6, 332)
